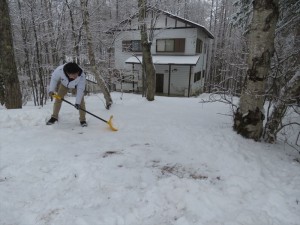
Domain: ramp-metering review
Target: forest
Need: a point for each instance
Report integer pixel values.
(40, 35)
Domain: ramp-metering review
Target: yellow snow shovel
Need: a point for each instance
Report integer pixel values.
(109, 122)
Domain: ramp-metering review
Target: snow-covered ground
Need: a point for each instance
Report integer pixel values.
(174, 161)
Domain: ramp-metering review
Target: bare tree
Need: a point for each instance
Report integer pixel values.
(283, 90)
(91, 54)
(76, 34)
(146, 48)
(36, 46)
(10, 86)
(288, 96)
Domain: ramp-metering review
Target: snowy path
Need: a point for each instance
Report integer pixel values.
(172, 162)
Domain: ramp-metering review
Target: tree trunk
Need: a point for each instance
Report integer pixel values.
(2, 89)
(8, 68)
(208, 78)
(147, 57)
(117, 10)
(248, 119)
(42, 89)
(76, 38)
(288, 95)
(91, 54)
(28, 70)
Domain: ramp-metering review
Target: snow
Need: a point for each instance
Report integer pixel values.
(166, 59)
(174, 161)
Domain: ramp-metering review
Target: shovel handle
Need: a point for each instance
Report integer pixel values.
(109, 122)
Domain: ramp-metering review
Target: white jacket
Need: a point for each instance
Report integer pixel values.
(79, 83)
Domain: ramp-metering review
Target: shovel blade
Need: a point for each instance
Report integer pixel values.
(109, 122)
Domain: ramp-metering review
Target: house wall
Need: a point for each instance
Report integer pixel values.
(198, 86)
(180, 77)
(120, 56)
(189, 34)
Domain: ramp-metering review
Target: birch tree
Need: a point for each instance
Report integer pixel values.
(248, 118)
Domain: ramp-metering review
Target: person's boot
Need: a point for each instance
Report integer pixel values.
(51, 121)
(83, 123)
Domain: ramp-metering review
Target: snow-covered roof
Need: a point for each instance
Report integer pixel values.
(193, 24)
(91, 78)
(166, 60)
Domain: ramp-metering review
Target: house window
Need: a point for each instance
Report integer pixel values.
(197, 76)
(199, 46)
(132, 46)
(170, 45)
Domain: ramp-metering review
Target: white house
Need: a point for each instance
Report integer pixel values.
(179, 52)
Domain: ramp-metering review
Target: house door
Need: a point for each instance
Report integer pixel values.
(159, 83)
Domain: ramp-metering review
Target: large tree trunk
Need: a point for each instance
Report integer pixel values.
(91, 54)
(8, 69)
(147, 57)
(248, 119)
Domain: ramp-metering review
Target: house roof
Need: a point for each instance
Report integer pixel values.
(191, 23)
(166, 60)
(91, 78)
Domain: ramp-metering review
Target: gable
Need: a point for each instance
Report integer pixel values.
(163, 20)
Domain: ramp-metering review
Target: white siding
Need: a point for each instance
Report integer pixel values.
(170, 22)
(120, 56)
(179, 78)
(161, 22)
(189, 34)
